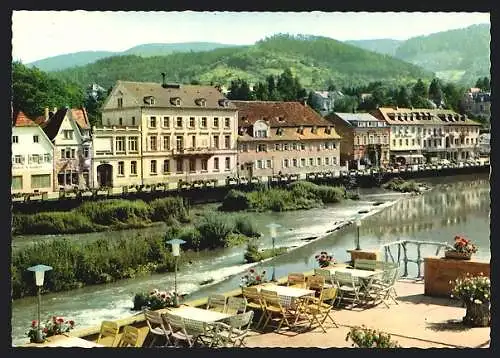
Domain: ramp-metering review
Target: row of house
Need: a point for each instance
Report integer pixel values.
(164, 133)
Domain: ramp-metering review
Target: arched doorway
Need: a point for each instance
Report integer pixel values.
(105, 175)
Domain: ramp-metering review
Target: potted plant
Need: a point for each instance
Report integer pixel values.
(324, 260)
(462, 249)
(475, 293)
(154, 300)
(253, 277)
(51, 327)
(363, 337)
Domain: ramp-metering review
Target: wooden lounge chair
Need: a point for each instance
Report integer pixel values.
(254, 301)
(156, 327)
(296, 280)
(274, 308)
(108, 335)
(130, 337)
(319, 310)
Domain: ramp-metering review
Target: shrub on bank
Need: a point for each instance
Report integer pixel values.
(244, 225)
(76, 265)
(114, 211)
(52, 223)
(235, 200)
(252, 254)
(165, 209)
(403, 186)
(214, 229)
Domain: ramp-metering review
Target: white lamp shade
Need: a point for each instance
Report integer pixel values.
(358, 223)
(272, 231)
(176, 249)
(39, 276)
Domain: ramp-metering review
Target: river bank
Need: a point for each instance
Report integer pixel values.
(456, 205)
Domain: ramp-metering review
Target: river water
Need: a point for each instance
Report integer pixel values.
(455, 205)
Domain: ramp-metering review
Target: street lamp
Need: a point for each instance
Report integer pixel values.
(272, 231)
(39, 271)
(176, 251)
(358, 225)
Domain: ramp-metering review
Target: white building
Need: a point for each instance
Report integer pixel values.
(32, 157)
(184, 132)
(69, 131)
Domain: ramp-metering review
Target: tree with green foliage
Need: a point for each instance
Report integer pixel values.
(403, 98)
(312, 103)
(484, 84)
(436, 92)
(33, 90)
(271, 88)
(419, 94)
(240, 90)
(260, 92)
(93, 104)
(346, 104)
(286, 86)
(453, 97)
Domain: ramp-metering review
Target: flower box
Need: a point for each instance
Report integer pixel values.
(450, 254)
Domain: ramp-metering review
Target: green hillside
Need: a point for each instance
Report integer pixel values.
(82, 58)
(70, 60)
(461, 55)
(315, 60)
(383, 46)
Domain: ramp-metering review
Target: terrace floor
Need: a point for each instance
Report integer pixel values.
(417, 321)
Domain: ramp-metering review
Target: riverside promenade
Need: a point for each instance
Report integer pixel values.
(417, 321)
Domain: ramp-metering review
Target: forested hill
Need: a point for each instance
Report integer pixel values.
(461, 55)
(315, 60)
(82, 58)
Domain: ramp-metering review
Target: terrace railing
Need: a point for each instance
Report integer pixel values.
(403, 246)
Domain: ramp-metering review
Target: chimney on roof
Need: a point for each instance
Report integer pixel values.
(164, 83)
(46, 113)
(55, 110)
(304, 101)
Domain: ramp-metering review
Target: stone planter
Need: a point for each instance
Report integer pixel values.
(477, 314)
(457, 255)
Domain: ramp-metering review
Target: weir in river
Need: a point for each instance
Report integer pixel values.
(456, 205)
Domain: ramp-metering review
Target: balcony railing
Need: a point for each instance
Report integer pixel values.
(195, 151)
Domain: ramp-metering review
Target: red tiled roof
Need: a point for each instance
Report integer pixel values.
(80, 117)
(39, 120)
(21, 120)
(279, 114)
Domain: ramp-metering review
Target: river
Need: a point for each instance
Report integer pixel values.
(455, 205)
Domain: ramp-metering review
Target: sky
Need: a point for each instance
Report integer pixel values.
(41, 34)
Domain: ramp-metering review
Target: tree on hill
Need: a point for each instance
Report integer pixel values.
(93, 104)
(33, 90)
(312, 103)
(260, 92)
(346, 104)
(403, 98)
(240, 90)
(453, 97)
(436, 92)
(419, 95)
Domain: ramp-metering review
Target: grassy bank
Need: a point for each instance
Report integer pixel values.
(104, 215)
(295, 196)
(253, 254)
(403, 186)
(77, 265)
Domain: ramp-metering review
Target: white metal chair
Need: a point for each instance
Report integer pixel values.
(177, 326)
(216, 303)
(347, 284)
(236, 305)
(156, 327)
(236, 331)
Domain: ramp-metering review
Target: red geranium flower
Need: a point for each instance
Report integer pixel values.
(34, 323)
(72, 323)
(60, 320)
(257, 278)
(45, 330)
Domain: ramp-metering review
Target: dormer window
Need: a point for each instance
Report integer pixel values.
(120, 102)
(279, 131)
(176, 101)
(314, 129)
(149, 100)
(301, 130)
(223, 102)
(202, 102)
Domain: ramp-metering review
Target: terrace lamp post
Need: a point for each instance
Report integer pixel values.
(358, 225)
(39, 271)
(272, 231)
(176, 252)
